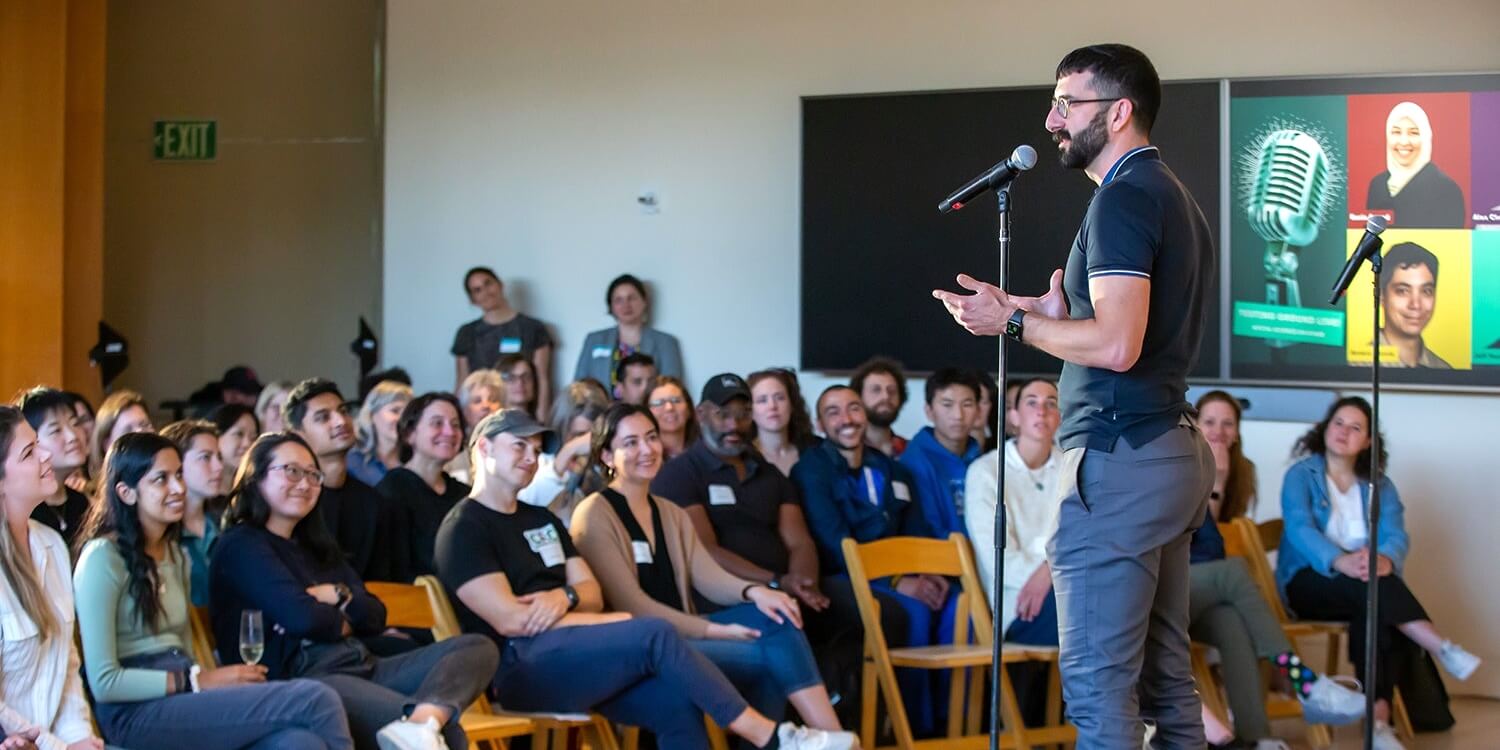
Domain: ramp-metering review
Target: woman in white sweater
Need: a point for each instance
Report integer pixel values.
(40, 690)
(1033, 467)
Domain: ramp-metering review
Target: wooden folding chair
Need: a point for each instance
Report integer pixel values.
(949, 558)
(413, 606)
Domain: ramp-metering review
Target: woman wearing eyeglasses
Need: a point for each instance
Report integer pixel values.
(673, 408)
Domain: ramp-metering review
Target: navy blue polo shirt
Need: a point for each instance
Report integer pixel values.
(746, 515)
(1141, 222)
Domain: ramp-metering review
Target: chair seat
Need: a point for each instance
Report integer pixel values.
(477, 724)
(1314, 627)
(559, 718)
(949, 656)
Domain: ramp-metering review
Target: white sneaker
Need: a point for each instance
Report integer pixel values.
(1459, 662)
(1385, 738)
(1328, 702)
(793, 737)
(409, 735)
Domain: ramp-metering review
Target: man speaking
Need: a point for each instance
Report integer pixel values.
(1127, 318)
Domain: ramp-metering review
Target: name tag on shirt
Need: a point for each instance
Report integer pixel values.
(720, 494)
(642, 552)
(603, 352)
(510, 345)
(901, 491)
(544, 542)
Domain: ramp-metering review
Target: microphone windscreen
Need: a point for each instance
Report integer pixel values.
(1024, 157)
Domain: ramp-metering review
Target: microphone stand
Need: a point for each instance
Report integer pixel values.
(1372, 595)
(1002, 199)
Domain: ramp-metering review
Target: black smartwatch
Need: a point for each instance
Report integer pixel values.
(572, 597)
(774, 584)
(1016, 326)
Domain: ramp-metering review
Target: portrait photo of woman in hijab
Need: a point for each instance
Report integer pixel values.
(1412, 187)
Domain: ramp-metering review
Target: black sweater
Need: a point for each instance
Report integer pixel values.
(255, 569)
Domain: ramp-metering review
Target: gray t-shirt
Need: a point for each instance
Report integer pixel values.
(1141, 222)
(485, 344)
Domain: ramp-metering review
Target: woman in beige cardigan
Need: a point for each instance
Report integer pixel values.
(650, 562)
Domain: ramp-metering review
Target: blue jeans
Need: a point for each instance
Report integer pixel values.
(293, 715)
(637, 672)
(768, 669)
(924, 691)
(1042, 630)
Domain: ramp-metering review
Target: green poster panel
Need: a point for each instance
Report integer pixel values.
(1486, 321)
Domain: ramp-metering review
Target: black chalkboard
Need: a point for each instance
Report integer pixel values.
(874, 245)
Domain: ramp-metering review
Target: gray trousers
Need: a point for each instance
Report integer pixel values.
(1119, 560)
(1226, 611)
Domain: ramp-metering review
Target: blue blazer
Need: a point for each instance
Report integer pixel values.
(597, 360)
(1305, 509)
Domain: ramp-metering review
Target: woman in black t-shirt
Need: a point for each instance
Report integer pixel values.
(515, 576)
(430, 433)
(499, 331)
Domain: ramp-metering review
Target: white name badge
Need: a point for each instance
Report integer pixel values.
(720, 494)
(603, 352)
(544, 542)
(901, 491)
(642, 552)
(510, 346)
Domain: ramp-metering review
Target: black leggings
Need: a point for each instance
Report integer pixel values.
(1341, 598)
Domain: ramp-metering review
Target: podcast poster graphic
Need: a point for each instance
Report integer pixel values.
(1487, 299)
(1268, 330)
(1484, 113)
(1419, 142)
(1426, 310)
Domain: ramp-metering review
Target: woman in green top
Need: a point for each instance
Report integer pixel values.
(131, 590)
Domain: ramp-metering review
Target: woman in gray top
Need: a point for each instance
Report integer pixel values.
(603, 349)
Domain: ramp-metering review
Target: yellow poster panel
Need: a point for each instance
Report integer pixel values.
(1427, 312)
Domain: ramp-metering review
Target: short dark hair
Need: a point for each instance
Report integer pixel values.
(830, 389)
(295, 408)
(878, 364)
(485, 270)
(623, 278)
(634, 359)
(951, 376)
(406, 424)
(40, 401)
(226, 415)
(1406, 255)
(1119, 70)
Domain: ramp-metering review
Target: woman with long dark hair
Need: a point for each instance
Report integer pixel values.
(1233, 495)
(132, 598)
(40, 693)
(1323, 565)
(756, 638)
(778, 412)
(277, 558)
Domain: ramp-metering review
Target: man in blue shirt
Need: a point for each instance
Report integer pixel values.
(939, 456)
(1126, 316)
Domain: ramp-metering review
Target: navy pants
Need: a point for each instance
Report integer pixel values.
(768, 669)
(637, 672)
(1041, 630)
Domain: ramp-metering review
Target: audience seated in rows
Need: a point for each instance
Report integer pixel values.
(276, 556)
(50, 414)
(675, 414)
(881, 384)
(938, 457)
(780, 425)
(514, 575)
(752, 632)
(629, 304)
(131, 592)
(1323, 565)
(430, 432)
(500, 330)
(365, 524)
(377, 449)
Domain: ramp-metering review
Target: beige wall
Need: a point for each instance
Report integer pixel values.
(267, 255)
(520, 132)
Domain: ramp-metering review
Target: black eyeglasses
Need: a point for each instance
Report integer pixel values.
(1062, 105)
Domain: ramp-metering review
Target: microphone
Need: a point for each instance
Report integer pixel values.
(1287, 203)
(1368, 246)
(994, 178)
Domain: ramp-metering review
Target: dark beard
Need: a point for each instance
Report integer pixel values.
(1087, 145)
(882, 421)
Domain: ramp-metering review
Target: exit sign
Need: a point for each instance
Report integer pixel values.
(185, 140)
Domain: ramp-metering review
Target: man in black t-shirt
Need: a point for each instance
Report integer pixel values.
(360, 520)
(1126, 317)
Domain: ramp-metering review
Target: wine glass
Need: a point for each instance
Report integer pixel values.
(252, 636)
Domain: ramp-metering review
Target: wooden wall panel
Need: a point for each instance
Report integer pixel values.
(83, 216)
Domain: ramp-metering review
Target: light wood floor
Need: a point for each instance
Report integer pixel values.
(1478, 728)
